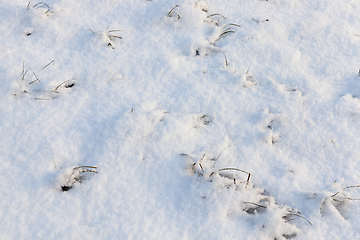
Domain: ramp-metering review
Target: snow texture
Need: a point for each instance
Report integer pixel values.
(180, 119)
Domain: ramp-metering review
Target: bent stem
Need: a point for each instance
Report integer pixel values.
(235, 169)
(216, 14)
(62, 84)
(171, 12)
(298, 215)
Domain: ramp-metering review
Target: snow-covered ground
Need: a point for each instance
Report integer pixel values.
(180, 119)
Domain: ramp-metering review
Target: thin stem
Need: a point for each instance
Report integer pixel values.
(256, 204)
(115, 31)
(247, 181)
(53, 61)
(235, 169)
(232, 24)
(216, 159)
(63, 83)
(230, 31)
(298, 215)
(169, 14)
(41, 98)
(42, 4)
(37, 79)
(216, 14)
(186, 155)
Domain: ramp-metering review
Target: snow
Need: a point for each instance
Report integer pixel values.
(155, 109)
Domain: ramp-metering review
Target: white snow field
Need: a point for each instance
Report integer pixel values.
(180, 119)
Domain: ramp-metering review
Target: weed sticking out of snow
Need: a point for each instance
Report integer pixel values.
(32, 87)
(109, 37)
(228, 178)
(66, 84)
(42, 7)
(338, 201)
(77, 175)
(172, 13)
(202, 5)
(220, 31)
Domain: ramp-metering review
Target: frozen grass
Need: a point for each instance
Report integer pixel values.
(185, 119)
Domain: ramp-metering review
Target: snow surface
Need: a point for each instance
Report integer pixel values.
(165, 105)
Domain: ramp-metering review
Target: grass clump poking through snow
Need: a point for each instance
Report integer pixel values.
(41, 5)
(203, 5)
(34, 88)
(109, 36)
(24, 83)
(172, 13)
(338, 200)
(78, 175)
(66, 84)
(205, 119)
(226, 29)
(259, 21)
(209, 171)
(290, 212)
(222, 31)
(261, 203)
